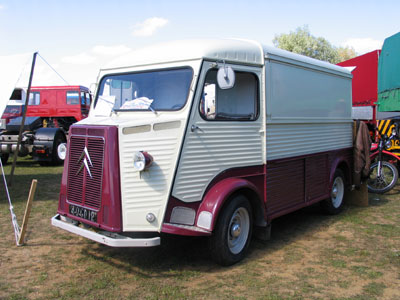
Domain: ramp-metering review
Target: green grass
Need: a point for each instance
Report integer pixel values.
(354, 255)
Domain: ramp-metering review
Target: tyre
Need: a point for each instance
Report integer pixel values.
(57, 153)
(232, 234)
(334, 204)
(4, 158)
(386, 181)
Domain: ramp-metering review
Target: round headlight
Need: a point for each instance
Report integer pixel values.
(139, 161)
(388, 144)
(142, 160)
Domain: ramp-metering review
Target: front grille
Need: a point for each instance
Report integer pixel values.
(84, 188)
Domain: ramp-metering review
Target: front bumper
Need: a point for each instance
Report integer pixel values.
(104, 237)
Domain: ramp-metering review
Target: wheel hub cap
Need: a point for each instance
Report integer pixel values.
(334, 192)
(235, 230)
(238, 230)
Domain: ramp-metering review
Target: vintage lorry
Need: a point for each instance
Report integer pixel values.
(50, 112)
(207, 138)
(364, 85)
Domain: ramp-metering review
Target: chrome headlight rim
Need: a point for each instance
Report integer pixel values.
(142, 160)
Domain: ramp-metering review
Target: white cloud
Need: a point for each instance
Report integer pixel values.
(149, 26)
(79, 59)
(110, 50)
(363, 45)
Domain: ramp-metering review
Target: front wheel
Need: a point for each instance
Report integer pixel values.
(384, 182)
(4, 158)
(232, 234)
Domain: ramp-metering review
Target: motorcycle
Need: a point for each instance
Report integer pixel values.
(383, 173)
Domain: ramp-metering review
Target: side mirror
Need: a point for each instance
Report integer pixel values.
(225, 77)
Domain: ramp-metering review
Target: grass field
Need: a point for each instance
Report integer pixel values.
(355, 255)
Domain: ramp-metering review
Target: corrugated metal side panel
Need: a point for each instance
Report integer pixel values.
(289, 140)
(147, 191)
(213, 148)
(317, 176)
(285, 184)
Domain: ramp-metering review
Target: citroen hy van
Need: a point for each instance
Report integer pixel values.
(206, 138)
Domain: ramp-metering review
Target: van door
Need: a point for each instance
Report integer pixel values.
(225, 131)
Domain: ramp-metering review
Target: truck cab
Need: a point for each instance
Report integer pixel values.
(15, 107)
(51, 110)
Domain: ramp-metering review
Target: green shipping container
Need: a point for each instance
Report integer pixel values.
(389, 75)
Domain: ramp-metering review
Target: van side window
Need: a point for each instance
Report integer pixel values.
(34, 98)
(236, 104)
(72, 97)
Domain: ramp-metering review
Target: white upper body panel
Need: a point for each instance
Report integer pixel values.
(230, 50)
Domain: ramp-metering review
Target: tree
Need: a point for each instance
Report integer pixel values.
(346, 53)
(302, 42)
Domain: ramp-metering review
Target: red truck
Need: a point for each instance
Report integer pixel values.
(51, 111)
(364, 85)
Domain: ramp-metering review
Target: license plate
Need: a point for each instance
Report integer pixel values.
(83, 213)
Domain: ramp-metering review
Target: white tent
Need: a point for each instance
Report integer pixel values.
(14, 71)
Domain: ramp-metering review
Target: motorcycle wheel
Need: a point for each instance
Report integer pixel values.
(385, 182)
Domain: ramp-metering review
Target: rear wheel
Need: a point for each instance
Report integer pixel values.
(58, 149)
(232, 234)
(334, 204)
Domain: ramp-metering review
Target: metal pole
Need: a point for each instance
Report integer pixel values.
(23, 119)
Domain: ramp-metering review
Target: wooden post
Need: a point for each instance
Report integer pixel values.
(23, 119)
(357, 197)
(27, 213)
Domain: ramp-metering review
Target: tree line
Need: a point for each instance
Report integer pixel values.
(302, 42)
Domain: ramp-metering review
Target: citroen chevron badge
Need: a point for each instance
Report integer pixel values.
(86, 161)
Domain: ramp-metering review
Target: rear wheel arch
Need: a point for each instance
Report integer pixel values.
(345, 168)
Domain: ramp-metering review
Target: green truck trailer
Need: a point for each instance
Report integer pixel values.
(389, 75)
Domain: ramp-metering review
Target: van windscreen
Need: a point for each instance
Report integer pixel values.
(150, 90)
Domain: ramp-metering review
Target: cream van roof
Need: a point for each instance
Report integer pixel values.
(230, 50)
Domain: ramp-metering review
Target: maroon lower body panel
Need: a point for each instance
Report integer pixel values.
(300, 181)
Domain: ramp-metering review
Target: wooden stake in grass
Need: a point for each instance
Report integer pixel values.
(27, 213)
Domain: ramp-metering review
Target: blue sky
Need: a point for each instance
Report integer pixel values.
(78, 37)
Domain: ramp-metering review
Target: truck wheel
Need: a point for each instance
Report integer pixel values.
(232, 234)
(62, 151)
(334, 204)
(57, 154)
(4, 158)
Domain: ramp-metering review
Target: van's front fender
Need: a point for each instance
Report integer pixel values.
(216, 197)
